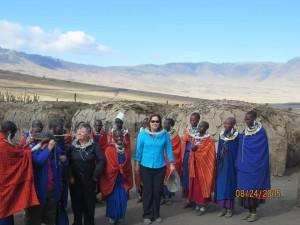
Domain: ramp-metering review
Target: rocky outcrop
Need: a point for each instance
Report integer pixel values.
(281, 125)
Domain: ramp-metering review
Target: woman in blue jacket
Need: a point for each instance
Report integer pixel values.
(152, 143)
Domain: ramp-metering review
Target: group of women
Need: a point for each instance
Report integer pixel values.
(90, 162)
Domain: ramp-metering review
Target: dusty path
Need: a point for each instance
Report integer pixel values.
(276, 211)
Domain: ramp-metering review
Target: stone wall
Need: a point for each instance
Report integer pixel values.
(282, 126)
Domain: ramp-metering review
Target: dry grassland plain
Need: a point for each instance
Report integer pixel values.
(50, 89)
(54, 89)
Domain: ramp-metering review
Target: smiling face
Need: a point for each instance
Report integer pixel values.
(118, 137)
(249, 120)
(35, 131)
(82, 134)
(154, 123)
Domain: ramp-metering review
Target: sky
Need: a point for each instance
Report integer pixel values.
(134, 32)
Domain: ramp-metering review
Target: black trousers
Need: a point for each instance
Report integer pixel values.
(153, 180)
(83, 202)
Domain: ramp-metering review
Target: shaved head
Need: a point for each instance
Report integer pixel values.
(231, 120)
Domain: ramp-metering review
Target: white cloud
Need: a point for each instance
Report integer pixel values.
(33, 38)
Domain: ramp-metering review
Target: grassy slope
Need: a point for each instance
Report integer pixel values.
(52, 89)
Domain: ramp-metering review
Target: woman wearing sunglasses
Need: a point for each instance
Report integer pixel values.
(150, 163)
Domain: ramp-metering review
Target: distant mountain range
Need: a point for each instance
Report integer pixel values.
(248, 81)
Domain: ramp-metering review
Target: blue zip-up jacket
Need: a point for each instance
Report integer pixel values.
(150, 149)
(40, 171)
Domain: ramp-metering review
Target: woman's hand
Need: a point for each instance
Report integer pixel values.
(137, 168)
(172, 167)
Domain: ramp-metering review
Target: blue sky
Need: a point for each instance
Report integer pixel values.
(133, 32)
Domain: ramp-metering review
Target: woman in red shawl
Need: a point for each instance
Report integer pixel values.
(190, 139)
(176, 147)
(117, 178)
(16, 179)
(201, 170)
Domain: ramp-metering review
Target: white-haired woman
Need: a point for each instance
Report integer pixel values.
(83, 174)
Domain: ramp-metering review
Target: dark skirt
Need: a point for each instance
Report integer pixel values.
(248, 202)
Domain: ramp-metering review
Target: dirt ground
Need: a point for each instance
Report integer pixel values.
(277, 211)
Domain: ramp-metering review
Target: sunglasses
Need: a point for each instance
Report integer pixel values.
(154, 121)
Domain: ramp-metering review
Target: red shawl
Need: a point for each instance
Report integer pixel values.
(16, 179)
(113, 168)
(103, 142)
(203, 160)
(176, 147)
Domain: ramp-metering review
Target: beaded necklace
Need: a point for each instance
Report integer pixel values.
(233, 134)
(199, 139)
(120, 148)
(193, 131)
(253, 130)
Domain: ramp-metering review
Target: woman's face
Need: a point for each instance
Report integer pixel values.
(118, 137)
(58, 130)
(167, 125)
(249, 120)
(98, 126)
(194, 121)
(35, 131)
(228, 125)
(38, 124)
(145, 123)
(118, 123)
(82, 134)
(202, 128)
(154, 123)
